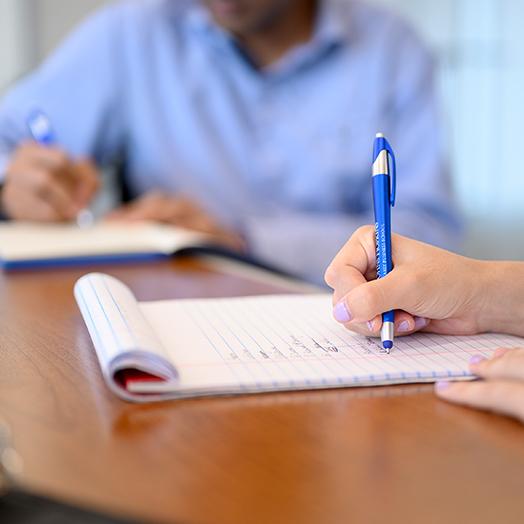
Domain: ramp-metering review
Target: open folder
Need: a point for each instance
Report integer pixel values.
(33, 245)
(192, 347)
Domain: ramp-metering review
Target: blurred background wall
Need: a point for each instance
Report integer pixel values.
(479, 46)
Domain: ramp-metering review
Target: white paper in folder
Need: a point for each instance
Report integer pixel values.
(192, 347)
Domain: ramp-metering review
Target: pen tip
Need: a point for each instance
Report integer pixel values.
(379, 135)
(388, 344)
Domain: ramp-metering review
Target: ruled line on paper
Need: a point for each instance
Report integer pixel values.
(259, 341)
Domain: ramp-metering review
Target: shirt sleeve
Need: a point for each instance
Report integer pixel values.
(78, 88)
(304, 244)
(425, 209)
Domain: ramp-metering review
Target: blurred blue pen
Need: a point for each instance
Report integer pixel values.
(384, 175)
(42, 132)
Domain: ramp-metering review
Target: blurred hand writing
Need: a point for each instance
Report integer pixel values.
(45, 184)
(181, 212)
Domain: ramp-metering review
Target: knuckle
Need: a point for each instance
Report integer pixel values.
(84, 169)
(496, 366)
(42, 182)
(48, 216)
(58, 156)
(16, 169)
(366, 228)
(367, 295)
(509, 363)
(25, 148)
(359, 328)
(364, 231)
(374, 295)
(331, 275)
(61, 157)
(366, 301)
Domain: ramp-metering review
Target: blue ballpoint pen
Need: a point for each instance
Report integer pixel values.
(42, 132)
(384, 188)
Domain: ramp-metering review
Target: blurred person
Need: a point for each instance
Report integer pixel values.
(251, 120)
(436, 291)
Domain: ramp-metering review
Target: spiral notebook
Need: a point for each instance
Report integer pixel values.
(193, 347)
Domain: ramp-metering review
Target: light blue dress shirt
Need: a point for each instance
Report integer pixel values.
(282, 154)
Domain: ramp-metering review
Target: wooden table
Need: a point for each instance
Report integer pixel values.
(387, 454)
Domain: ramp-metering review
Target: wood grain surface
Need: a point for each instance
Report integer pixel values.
(372, 455)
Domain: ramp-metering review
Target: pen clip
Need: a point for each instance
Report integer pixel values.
(393, 173)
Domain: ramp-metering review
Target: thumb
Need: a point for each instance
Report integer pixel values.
(370, 299)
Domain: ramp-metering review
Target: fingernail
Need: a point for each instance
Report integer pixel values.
(442, 385)
(420, 322)
(476, 359)
(370, 325)
(403, 326)
(341, 312)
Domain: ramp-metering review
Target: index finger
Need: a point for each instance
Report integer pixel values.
(507, 365)
(50, 189)
(50, 159)
(501, 396)
(353, 263)
(87, 180)
(48, 156)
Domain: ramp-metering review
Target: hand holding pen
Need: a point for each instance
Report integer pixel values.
(383, 174)
(43, 183)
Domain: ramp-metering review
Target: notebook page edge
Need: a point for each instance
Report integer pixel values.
(120, 333)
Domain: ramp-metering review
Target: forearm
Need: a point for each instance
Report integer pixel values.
(501, 287)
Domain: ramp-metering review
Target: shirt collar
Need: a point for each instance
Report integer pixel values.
(331, 24)
(332, 28)
(199, 19)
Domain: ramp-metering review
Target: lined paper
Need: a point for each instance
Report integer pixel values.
(121, 335)
(250, 344)
(288, 342)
